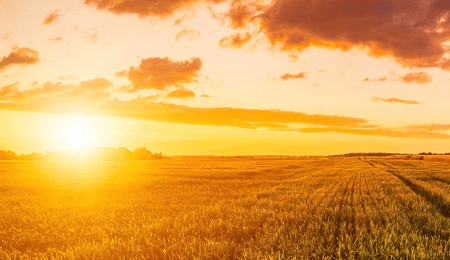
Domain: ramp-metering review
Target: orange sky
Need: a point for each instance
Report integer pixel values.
(226, 76)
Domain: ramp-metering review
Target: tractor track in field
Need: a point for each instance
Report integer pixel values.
(438, 179)
(437, 201)
(339, 217)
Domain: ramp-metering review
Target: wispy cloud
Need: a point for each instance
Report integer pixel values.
(379, 79)
(287, 76)
(180, 93)
(56, 39)
(94, 97)
(51, 18)
(235, 40)
(395, 100)
(190, 34)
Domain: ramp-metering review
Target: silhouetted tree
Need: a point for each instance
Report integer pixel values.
(8, 155)
(142, 154)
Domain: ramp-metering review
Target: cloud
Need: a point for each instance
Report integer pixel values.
(10, 90)
(57, 92)
(34, 84)
(235, 40)
(57, 39)
(414, 33)
(122, 73)
(287, 76)
(191, 34)
(293, 57)
(92, 38)
(395, 100)
(71, 76)
(378, 131)
(416, 77)
(240, 14)
(379, 79)
(161, 73)
(92, 97)
(5, 37)
(51, 18)
(93, 89)
(144, 8)
(181, 93)
(429, 127)
(19, 56)
(205, 96)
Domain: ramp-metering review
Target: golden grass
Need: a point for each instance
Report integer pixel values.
(232, 208)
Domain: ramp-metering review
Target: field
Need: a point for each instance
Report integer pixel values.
(226, 208)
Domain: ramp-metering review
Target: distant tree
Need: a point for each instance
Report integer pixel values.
(142, 154)
(32, 156)
(8, 155)
(123, 154)
(91, 154)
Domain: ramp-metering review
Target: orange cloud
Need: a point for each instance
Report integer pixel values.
(90, 90)
(161, 73)
(240, 14)
(92, 38)
(71, 76)
(235, 40)
(122, 73)
(397, 133)
(430, 127)
(94, 90)
(51, 18)
(395, 100)
(19, 56)
(5, 37)
(191, 34)
(92, 97)
(413, 32)
(10, 90)
(295, 76)
(181, 93)
(416, 77)
(57, 39)
(144, 8)
(205, 96)
(379, 79)
(293, 57)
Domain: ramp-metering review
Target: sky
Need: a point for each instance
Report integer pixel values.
(225, 77)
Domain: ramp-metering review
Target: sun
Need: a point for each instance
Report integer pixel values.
(78, 133)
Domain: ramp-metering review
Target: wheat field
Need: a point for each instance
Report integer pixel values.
(226, 208)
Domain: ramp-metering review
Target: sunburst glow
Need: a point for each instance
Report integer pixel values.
(78, 133)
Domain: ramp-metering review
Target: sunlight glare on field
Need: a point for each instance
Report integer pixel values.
(78, 133)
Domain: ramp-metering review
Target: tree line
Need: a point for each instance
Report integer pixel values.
(97, 153)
